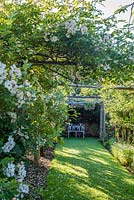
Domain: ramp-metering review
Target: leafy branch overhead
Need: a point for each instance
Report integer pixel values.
(64, 35)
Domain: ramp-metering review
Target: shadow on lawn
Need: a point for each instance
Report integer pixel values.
(86, 171)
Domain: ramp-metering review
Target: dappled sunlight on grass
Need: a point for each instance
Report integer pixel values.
(130, 181)
(71, 150)
(65, 154)
(91, 192)
(99, 161)
(84, 170)
(71, 169)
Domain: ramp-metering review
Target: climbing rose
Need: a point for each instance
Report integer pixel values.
(11, 86)
(21, 172)
(23, 188)
(9, 145)
(107, 67)
(10, 170)
(13, 116)
(84, 30)
(3, 72)
(15, 72)
(71, 27)
(54, 39)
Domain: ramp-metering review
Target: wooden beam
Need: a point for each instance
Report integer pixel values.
(84, 86)
(85, 97)
(119, 87)
(123, 87)
(76, 102)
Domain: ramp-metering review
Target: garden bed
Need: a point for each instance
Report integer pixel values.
(37, 176)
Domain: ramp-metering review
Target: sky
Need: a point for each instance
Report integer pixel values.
(111, 5)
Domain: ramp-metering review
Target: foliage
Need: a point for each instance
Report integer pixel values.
(119, 105)
(46, 35)
(8, 188)
(124, 153)
(108, 143)
(120, 108)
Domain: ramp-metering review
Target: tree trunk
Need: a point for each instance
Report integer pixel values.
(117, 134)
(130, 136)
(37, 157)
(37, 152)
(123, 134)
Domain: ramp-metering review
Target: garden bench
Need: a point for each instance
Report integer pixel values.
(80, 128)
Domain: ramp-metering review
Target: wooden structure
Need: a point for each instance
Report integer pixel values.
(102, 122)
(102, 133)
(72, 128)
(117, 87)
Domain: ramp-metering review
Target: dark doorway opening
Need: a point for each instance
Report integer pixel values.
(90, 117)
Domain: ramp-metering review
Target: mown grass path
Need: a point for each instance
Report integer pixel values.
(84, 170)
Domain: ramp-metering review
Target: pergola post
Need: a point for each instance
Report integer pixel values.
(102, 122)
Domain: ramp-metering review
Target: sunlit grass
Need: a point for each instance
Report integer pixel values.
(84, 170)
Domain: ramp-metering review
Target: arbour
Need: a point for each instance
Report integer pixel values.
(102, 133)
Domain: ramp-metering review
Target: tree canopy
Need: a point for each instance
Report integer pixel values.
(69, 38)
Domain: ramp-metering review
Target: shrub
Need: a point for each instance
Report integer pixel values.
(124, 153)
(109, 143)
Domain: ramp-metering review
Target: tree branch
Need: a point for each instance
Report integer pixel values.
(60, 74)
(131, 13)
(123, 7)
(43, 62)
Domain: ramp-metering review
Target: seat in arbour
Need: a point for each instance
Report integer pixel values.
(72, 128)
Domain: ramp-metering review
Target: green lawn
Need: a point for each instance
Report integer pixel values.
(84, 170)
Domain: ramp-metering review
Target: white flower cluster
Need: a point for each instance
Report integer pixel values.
(25, 97)
(54, 38)
(20, 98)
(20, 132)
(21, 91)
(8, 146)
(23, 189)
(84, 30)
(27, 84)
(21, 172)
(12, 86)
(3, 72)
(51, 38)
(72, 28)
(15, 72)
(13, 116)
(10, 170)
(107, 67)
